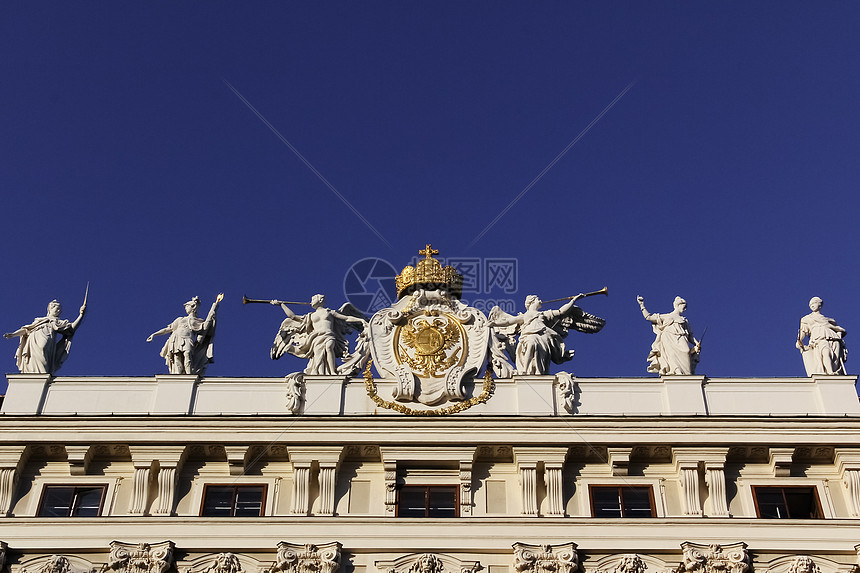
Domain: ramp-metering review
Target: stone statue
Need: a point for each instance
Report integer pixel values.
(189, 350)
(825, 352)
(46, 341)
(320, 336)
(541, 332)
(675, 351)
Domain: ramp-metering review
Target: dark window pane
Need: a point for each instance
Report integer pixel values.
(442, 502)
(427, 501)
(218, 501)
(88, 501)
(637, 501)
(606, 502)
(787, 502)
(801, 503)
(57, 501)
(771, 504)
(413, 502)
(249, 501)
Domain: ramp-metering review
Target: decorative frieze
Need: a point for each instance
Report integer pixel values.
(715, 558)
(308, 558)
(224, 563)
(140, 558)
(546, 558)
(58, 564)
(627, 563)
(428, 563)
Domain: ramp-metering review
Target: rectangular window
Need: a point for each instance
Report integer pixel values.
(622, 501)
(427, 501)
(233, 500)
(71, 501)
(786, 502)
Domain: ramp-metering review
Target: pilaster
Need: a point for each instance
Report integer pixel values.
(848, 465)
(12, 459)
(328, 459)
(165, 462)
(529, 461)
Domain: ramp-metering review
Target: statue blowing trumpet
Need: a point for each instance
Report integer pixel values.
(246, 300)
(604, 290)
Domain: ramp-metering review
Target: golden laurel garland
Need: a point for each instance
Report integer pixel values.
(485, 394)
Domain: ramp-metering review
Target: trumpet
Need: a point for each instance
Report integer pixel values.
(246, 300)
(604, 290)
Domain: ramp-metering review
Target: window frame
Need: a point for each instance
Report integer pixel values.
(111, 484)
(619, 487)
(582, 491)
(44, 490)
(748, 503)
(815, 498)
(427, 487)
(235, 486)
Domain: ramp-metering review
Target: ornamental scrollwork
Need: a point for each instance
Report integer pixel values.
(308, 558)
(715, 558)
(139, 558)
(546, 558)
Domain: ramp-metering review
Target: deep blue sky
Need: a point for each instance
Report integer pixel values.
(727, 174)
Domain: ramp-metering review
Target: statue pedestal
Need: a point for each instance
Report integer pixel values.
(26, 393)
(174, 393)
(323, 395)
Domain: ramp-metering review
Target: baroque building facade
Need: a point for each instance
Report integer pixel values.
(551, 473)
(429, 465)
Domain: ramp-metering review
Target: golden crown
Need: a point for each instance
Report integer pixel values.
(429, 271)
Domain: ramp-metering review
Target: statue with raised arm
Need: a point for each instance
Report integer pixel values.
(825, 351)
(541, 333)
(45, 342)
(189, 348)
(675, 351)
(320, 337)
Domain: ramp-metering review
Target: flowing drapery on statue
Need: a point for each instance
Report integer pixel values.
(189, 348)
(675, 351)
(825, 351)
(45, 342)
(320, 337)
(541, 334)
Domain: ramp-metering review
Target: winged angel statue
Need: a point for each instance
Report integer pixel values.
(541, 335)
(320, 337)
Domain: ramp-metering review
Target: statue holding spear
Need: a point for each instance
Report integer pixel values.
(45, 342)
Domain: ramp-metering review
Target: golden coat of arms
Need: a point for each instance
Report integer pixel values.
(429, 341)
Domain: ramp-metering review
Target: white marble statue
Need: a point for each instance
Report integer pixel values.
(46, 341)
(675, 351)
(541, 333)
(189, 348)
(320, 336)
(825, 351)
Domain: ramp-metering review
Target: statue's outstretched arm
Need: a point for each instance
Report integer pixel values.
(165, 330)
(647, 315)
(78, 320)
